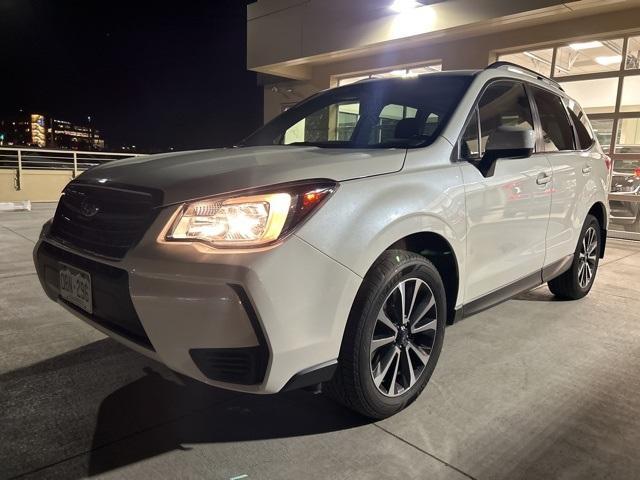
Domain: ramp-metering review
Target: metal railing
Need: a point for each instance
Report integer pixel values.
(20, 159)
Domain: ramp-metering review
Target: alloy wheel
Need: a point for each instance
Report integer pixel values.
(587, 257)
(403, 337)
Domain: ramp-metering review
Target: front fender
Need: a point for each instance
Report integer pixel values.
(366, 216)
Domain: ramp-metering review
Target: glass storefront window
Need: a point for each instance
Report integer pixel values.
(536, 60)
(595, 96)
(589, 57)
(630, 94)
(603, 129)
(628, 137)
(633, 54)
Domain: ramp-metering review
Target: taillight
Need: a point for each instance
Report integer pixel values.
(608, 162)
(637, 172)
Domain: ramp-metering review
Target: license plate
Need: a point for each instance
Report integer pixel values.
(75, 287)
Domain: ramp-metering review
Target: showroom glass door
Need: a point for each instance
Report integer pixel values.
(603, 75)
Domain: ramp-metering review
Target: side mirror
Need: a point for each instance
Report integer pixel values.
(507, 142)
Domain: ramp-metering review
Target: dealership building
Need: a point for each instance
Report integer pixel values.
(591, 47)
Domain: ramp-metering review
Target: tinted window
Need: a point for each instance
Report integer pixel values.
(556, 130)
(470, 143)
(580, 121)
(387, 113)
(503, 103)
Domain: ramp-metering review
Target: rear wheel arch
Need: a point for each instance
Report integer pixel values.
(599, 211)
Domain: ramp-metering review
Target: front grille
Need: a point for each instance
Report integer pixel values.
(105, 221)
(112, 306)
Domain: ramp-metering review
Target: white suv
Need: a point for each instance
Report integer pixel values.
(335, 244)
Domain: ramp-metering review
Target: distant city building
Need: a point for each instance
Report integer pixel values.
(36, 130)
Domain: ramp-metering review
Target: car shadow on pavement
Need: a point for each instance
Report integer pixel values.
(238, 418)
(102, 406)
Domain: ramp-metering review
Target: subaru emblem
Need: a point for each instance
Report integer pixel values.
(88, 209)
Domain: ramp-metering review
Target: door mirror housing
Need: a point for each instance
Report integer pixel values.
(507, 142)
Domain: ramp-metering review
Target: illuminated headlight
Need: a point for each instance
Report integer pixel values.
(248, 220)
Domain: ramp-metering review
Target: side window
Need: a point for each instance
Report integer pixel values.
(557, 133)
(503, 103)
(470, 142)
(581, 123)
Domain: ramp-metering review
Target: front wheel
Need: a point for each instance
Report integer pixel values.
(576, 282)
(393, 337)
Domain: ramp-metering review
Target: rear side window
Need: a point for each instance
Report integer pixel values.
(503, 103)
(581, 124)
(557, 133)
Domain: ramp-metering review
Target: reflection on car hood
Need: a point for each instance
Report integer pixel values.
(187, 175)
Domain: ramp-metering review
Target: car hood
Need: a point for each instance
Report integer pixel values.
(185, 176)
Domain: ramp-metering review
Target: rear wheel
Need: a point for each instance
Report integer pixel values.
(393, 337)
(576, 282)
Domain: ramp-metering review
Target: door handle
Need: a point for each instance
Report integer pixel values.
(586, 169)
(543, 179)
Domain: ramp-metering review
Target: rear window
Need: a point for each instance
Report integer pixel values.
(581, 123)
(557, 132)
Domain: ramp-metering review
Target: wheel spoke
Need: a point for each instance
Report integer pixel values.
(430, 325)
(383, 366)
(394, 377)
(425, 310)
(376, 343)
(420, 353)
(416, 289)
(402, 289)
(386, 321)
(409, 365)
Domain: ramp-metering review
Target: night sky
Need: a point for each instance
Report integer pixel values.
(153, 74)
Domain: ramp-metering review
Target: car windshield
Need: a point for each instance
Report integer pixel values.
(401, 113)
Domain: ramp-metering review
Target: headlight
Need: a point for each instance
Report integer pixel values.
(249, 219)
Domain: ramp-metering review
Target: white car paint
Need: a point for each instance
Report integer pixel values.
(500, 229)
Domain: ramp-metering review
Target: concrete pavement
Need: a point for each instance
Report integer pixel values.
(533, 388)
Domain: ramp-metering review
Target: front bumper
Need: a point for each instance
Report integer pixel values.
(248, 321)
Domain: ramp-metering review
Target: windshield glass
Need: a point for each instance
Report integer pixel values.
(408, 112)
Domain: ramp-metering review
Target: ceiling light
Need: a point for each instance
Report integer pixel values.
(609, 60)
(403, 6)
(585, 45)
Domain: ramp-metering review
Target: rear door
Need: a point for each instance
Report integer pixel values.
(567, 149)
(507, 212)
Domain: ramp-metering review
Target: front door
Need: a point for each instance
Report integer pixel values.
(508, 211)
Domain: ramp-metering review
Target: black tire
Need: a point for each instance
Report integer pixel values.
(353, 383)
(568, 285)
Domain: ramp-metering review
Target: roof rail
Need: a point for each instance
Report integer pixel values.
(526, 71)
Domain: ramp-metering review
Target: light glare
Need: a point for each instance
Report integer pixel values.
(403, 6)
(609, 60)
(585, 45)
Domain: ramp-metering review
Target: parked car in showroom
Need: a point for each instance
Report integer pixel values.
(624, 212)
(336, 242)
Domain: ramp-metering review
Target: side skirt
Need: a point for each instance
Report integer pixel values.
(519, 286)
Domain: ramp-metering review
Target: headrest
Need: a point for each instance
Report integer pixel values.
(407, 128)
